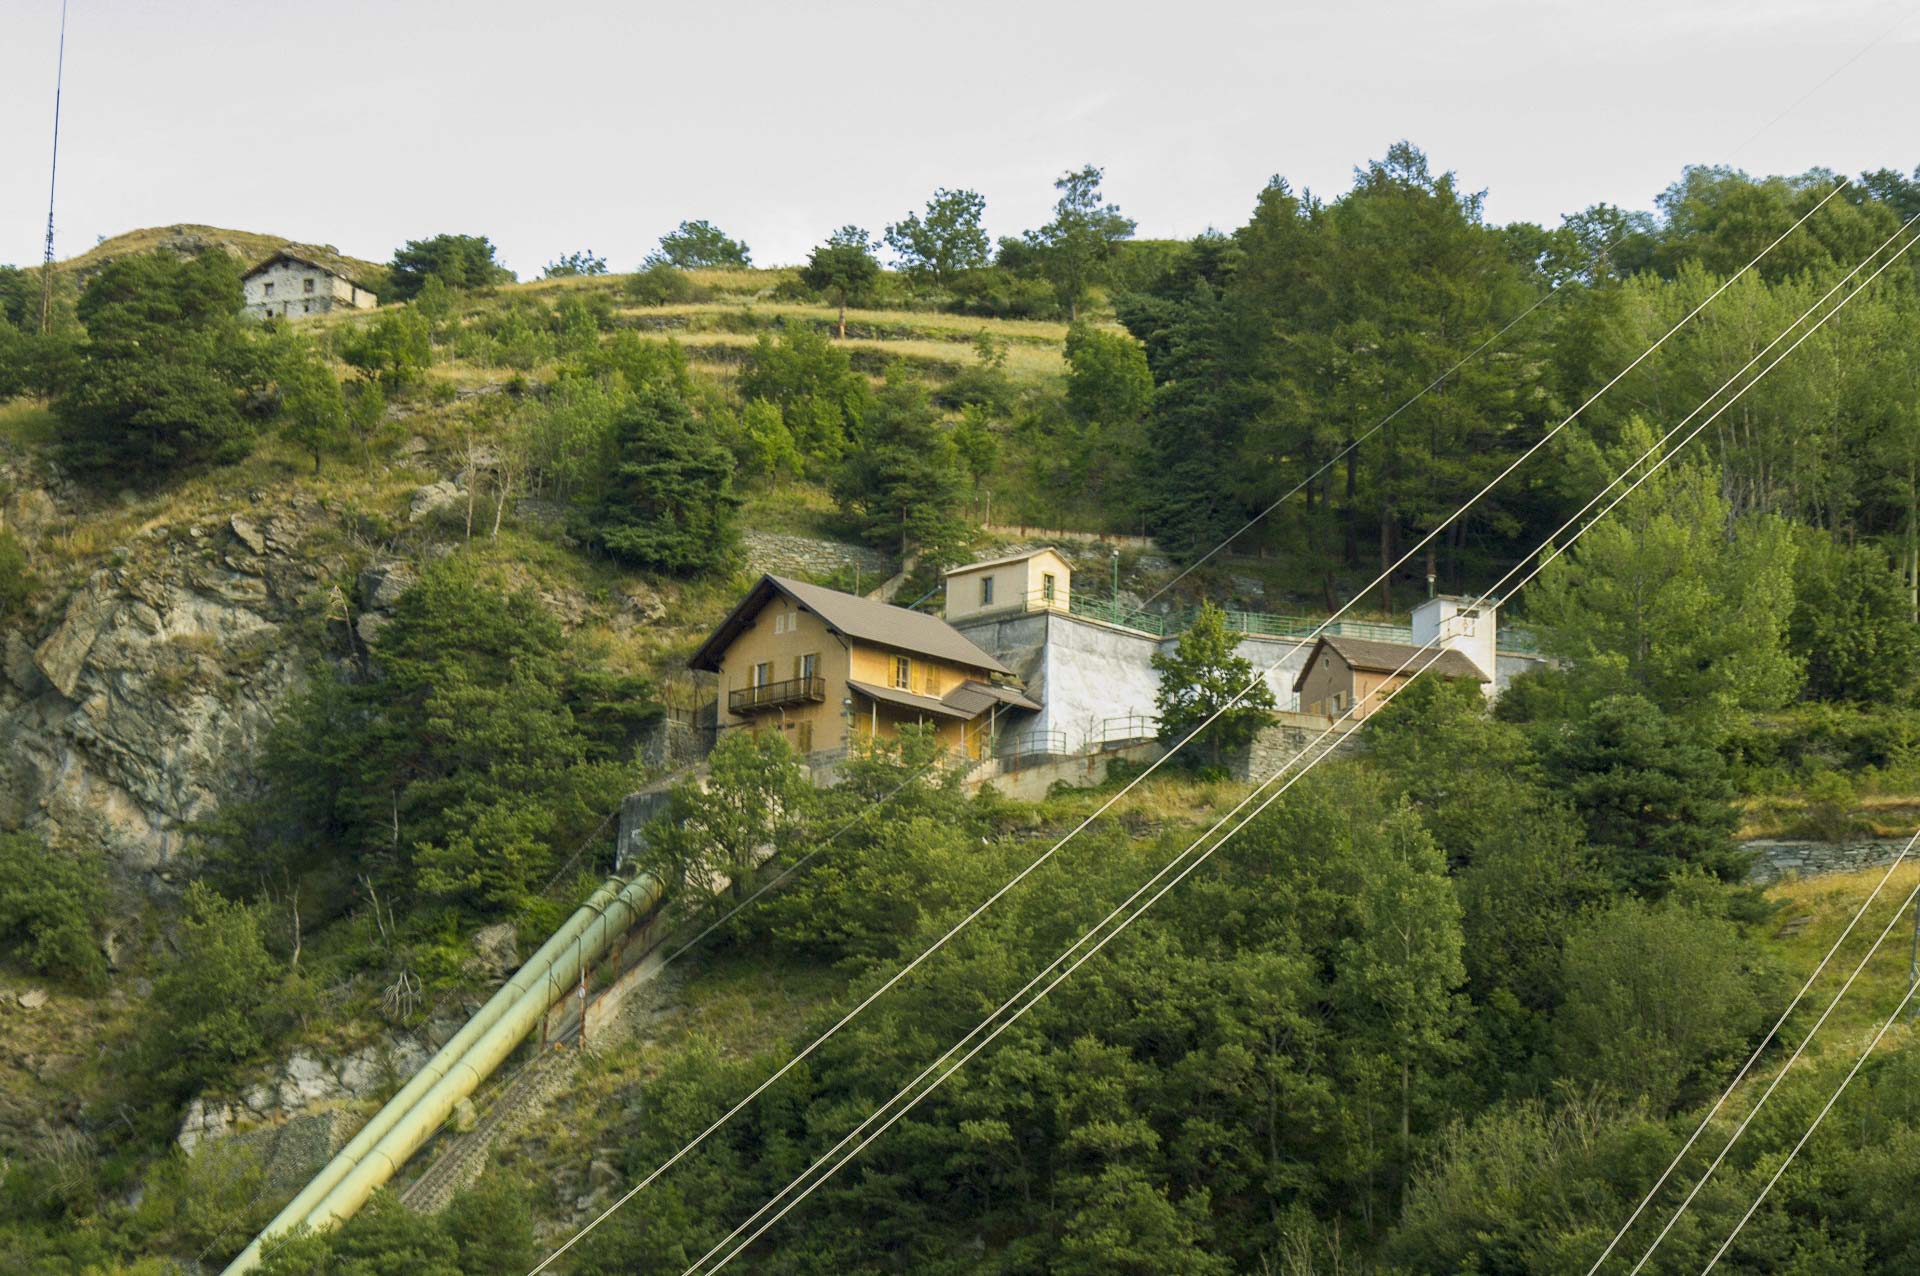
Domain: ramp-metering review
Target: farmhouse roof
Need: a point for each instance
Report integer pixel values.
(1371, 656)
(862, 619)
(318, 259)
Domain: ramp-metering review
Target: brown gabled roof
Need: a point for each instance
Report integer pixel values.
(881, 624)
(1370, 656)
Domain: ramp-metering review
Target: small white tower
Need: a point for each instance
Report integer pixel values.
(1458, 625)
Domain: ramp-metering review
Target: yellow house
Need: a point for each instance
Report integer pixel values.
(1343, 672)
(825, 667)
(1034, 581)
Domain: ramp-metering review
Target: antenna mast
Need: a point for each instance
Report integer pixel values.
(46, 265)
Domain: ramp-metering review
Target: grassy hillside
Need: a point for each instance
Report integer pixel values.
(250, 247)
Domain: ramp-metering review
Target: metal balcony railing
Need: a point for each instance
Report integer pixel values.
(777, 695)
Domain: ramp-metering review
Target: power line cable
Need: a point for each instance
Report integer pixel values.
(1818, 1118)
(1203, 856)
(590, 1227)
(1899, 915)
(901, 974)
(1553, 291)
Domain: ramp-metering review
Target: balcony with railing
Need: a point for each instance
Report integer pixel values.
(784, 694)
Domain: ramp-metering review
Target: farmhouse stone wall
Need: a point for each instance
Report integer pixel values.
(281, 290)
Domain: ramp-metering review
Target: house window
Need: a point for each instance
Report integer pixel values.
(309, 285)
(806, 666)
(986, 590)
(269, 288)
(306, 307)
(762, 674)
(803, 738)
(1046, 586)
(903, 673)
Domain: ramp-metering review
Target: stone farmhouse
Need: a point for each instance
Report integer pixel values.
(290, 286)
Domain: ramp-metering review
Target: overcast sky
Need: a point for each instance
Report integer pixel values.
(598, 124)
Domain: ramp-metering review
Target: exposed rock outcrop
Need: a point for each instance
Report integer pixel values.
(144, 702)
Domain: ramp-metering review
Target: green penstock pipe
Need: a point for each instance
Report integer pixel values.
(532, 975)
(634, 903)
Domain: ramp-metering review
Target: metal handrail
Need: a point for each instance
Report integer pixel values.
(770, 695)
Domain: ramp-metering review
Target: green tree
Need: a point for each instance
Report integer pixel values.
(393, 350)
(166, 370)
(696, 244)
(904, 483)
(842, 268)
(1203, 676)
(1689, 604)
(1396, 977)
(1661, 1001)
(755, 801)
(217, 1004)
(480, 754)
(1653, 796)
(313, 409)
(575, 265)
(49, 898)
(821, 397)
(1851, 625)
(459, 261)
(669, 503)
(766, 445)
(1109, 390)
(947, 242)
(1075, 247)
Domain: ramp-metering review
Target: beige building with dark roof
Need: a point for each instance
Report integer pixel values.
(1341, 673)
(825, 668)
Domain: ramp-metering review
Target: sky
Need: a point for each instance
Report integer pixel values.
(598, 124)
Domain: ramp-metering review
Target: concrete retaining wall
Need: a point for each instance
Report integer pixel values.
(1031, 783)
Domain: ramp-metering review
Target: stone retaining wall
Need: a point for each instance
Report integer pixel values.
(785, 554)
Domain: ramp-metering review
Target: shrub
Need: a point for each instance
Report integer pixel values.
(16, 578)
(48, 900)
(394, 351)
(221, 1001)
(661, 283)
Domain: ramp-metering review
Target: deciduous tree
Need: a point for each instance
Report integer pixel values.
(843, 268)
(948, 241)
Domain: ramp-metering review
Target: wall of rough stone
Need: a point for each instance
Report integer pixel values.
(1279, 746)
(785, 554)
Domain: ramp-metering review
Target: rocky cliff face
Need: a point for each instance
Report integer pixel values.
(142, 702)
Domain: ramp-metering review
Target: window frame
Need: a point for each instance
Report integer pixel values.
(902, 673)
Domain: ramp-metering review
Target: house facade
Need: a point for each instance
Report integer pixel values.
(289, 286)
(827, 669)
(1352, 677)
(1039, 579)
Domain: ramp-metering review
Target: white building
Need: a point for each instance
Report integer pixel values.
(289, 286)
(1094, 678)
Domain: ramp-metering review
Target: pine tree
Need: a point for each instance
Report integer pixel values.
(670, 503)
